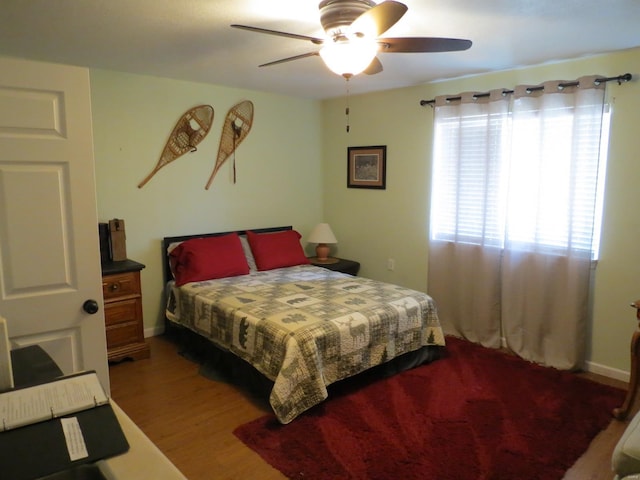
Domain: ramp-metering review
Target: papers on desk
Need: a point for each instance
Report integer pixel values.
(73, 437)
(34, 442)
(63, 396)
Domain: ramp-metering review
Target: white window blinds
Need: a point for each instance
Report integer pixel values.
(523, 170)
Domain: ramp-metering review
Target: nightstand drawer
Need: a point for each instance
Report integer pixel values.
(123, 311)
(120, 285)
(123, 334)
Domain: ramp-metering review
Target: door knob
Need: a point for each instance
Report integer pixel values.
(90, 306)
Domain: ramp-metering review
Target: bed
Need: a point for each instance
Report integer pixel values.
(253, 294)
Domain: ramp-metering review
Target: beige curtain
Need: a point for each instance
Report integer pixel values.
(464, 282)
(512, 217)
(465, 251)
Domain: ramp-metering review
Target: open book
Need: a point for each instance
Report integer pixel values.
(62, 396)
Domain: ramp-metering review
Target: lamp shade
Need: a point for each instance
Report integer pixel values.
(349, 57)
(322, 233)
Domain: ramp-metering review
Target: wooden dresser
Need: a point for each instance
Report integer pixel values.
(123, 310)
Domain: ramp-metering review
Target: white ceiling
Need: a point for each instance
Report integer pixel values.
(192, 40)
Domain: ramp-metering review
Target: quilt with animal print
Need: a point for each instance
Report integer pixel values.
(306, 327)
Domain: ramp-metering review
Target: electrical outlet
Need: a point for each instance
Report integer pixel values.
(391, 264)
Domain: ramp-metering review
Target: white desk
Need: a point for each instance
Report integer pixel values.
(143, 460)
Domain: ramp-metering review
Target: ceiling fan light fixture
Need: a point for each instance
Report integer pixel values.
(352, 36)
(349, 57)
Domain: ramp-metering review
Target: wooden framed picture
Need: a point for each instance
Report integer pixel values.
(367, 167)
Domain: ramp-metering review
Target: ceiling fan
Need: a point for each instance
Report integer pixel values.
(353, 28)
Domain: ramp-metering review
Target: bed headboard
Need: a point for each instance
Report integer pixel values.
(166, 241)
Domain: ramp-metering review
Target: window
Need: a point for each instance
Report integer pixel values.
(524, 172)
(516, 207)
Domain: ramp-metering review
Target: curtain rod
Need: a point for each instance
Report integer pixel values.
(620, 78)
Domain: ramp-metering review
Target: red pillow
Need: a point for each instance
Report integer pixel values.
(208, 258)
(276, 250)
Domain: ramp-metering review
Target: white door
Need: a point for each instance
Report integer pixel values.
(49, 248)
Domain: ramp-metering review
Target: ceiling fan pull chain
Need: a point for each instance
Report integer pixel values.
(346, 111)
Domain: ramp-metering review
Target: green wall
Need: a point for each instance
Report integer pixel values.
(278, 166)
(292, 170)
(373, 225)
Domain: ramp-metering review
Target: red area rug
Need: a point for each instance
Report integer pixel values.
(474, 414)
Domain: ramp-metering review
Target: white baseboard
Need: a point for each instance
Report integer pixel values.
(596, 368)
(605, 371)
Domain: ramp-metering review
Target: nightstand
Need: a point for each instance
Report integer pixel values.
(342, 265)
(123, 310)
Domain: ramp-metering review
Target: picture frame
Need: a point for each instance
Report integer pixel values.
(367, 167)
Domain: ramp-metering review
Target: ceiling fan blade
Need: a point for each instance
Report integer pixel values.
(290, 59)
(378, 19)
(374, 67)
(423, 44)
(317, 41)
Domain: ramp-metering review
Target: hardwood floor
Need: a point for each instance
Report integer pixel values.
(191, 419)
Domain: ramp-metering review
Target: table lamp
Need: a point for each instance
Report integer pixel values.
(321, 235)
